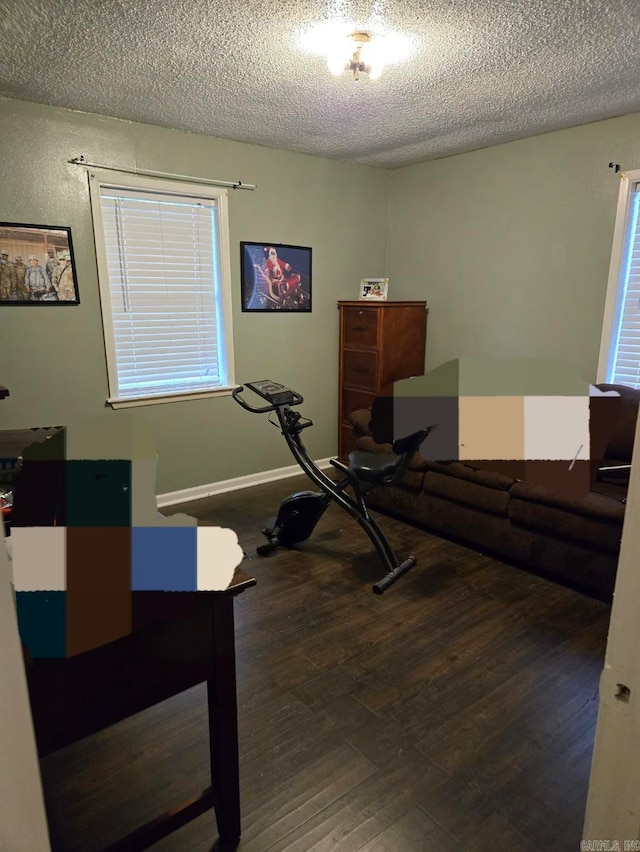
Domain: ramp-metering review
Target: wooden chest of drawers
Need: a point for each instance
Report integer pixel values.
(380, 343)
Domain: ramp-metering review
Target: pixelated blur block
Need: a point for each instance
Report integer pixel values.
(545, 377)
(442, 444)
(490, 378)
(556, 427)
(218, 556)
(144, 506)
(441, 381)
(112, 436)
(382, 414)
(164, 559)
(98, 586)
(400, 411)
(39, 559)
(491, 427)
(42, 623)
(98, 493)
(82, 535)
(569, 480)
(115, 437)
(52, 448)
(39, 494)
(558, 444)
(565, 432)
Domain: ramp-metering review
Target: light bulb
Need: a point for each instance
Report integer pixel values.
(372, 58)
(336, 63)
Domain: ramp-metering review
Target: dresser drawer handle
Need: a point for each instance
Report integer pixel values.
(359, 369)
(358, 328)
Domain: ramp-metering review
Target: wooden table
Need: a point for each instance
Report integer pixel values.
(180, 639)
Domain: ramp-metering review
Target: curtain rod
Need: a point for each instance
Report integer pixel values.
(80, 161)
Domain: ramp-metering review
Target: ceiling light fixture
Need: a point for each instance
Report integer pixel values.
(368, 50)
(365, 58)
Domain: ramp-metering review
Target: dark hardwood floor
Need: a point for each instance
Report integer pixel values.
(455, 712)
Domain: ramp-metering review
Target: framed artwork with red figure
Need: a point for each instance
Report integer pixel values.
(275, 277)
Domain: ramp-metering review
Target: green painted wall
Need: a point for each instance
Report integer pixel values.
(511, 245)
(53, 359)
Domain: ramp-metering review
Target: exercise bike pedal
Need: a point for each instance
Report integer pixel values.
(271, 528)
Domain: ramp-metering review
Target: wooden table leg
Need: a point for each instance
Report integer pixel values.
(223, 723)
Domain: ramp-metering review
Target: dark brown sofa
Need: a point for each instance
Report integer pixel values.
(575, 541)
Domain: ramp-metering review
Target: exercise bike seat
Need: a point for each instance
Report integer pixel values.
(387, 468)
(373, 467)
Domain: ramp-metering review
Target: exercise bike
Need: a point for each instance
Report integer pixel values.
(299, 513)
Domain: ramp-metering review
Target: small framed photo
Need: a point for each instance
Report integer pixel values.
(37, 265)
(275, 277)
(374, 289)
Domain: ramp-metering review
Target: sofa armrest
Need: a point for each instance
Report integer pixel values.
(621, 442)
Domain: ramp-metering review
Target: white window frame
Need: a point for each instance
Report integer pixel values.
(100, 179)
(617, 277)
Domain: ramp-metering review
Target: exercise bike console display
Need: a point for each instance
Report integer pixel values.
(299, 513)
(273, 392)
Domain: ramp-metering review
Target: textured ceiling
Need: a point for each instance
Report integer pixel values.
(480, 73)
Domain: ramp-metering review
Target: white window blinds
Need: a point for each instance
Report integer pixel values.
(162, 261)
(624, 365)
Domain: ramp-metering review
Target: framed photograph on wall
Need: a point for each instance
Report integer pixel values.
(374, 289)
(37, 265)
(275, 277)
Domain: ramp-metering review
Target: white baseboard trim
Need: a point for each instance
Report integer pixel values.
(187, 495)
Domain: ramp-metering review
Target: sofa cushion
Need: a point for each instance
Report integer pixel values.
(445, 517)
(604, 534)
(590, 568)
(413, 479)
(621, 442)
(460, 470)
(491, 500)
(603, 502)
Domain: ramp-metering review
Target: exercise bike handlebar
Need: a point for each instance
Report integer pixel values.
(236, 394)
(277, 397)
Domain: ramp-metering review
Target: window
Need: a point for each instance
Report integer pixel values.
(620, 346)
(163, 265)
